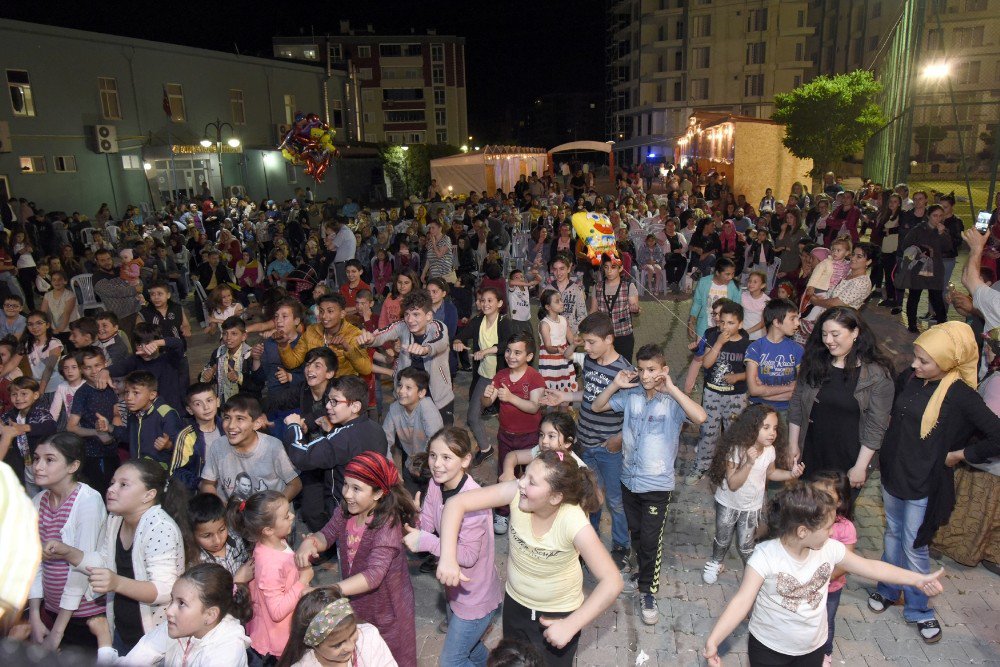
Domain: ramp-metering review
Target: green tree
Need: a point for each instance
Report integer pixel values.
(409, 170)
(927, 137)
(829, 117)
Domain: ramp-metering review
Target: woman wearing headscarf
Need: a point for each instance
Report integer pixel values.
(935, 414)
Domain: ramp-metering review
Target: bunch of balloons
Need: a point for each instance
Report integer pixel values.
(597, 234)
(309, 142)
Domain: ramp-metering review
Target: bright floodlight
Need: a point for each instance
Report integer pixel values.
(937, 71)
(406, 148)
(464, 148)
(206, 142)
(234, 142)
(268, 158)
(147, 166)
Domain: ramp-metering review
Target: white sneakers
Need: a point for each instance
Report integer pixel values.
(711, 572)
(499, 524)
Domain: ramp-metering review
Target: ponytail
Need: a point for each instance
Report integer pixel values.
(577, 485)
(216, 589)
(250, 517)
(173, 498)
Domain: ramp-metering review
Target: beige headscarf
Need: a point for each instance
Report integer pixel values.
(952, 346)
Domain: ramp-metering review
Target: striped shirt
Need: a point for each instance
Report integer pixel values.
(55, 572)
(594, 428)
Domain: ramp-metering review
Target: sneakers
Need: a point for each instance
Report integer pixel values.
(631, 584)
(500, 524)
(694, 478)
(622, 557)
(650, 612)
(710, 574)
(481, 456)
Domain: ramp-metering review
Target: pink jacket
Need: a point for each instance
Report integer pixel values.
(275, 590)
(483, 592)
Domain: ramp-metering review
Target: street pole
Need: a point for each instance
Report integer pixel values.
(263, 166)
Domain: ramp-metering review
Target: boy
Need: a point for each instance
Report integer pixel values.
(423, 344)
(194, 440)
(653, 408)
(170, 317)
(83, 332)
(599, 434)
(24, 426)
(772, 362)
(353, 432)
(281, 385)
(330, 331)
(152, 425)
(412, 419)
(725, 394)
(94, 398)
(160, 356)
(245, 460)
(13, 322)
(230, 360)
(519, 389)
(349, 290)
(110, 339)
(316, 501)
(216, 544)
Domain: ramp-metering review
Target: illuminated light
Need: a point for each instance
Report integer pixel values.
(651, 155)
(406, 148)
(147, 166)
(234, 142)
(206, 143)
(268, 158)
(476, 148)
(937, 70)
(450, 189)
(464, 148)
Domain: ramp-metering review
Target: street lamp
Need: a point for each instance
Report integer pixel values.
(938, 71)
(233, 142)
(266, 159)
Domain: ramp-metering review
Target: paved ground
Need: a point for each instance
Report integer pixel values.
(969, 610)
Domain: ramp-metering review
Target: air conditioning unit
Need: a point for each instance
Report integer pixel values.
(106, 137)
(280, 130)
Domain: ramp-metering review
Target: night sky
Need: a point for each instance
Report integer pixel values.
(516, 50)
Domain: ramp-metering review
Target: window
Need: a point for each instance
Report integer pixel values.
(873, 43)
(366, 117)
(399, 50)
(365, 74)
(364, 52)
(437, 53)
(968, 72)
(969, 36)
(975, 5)
(131, 162)
(110, 108)
(402, 72)
(290, 111)
(175, 102)
(661, 33)
(64, 164)
(678, 91)
(337, 113)
(370, 138)
(800, 19)
(237, 107)
(757, 20)
(33, 164)
(661, 93)
(678, 60)
(415, 137)
(798, 51)
(402, 94)
(702, 57)
(935, 39)
(876, 9)
(393, 138)
(442, 136)
(679, 30)
(440, 118)
(290, 172)
(756, 53)
(439, 98)
(437, 75)
(701, 26)
(753, 85)
(404, 116)
(21, 98)
(336, 55)
(309, 54)
(699, 89)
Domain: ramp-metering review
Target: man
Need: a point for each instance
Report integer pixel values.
(105, 267)
(830, 185)
(433, 190)
(119, 296)
(344, 245)
(955, 227)
(903, 190)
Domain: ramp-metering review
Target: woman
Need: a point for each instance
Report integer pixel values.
(620, 300)
(933, 241)
(404, 283)
(935, 415)
(853, 290)
(885, 235)
(69, 262)
(731, 245)
(704, 246)
(840, 406)
(709, 290)
(674, 249)
(799, 192)
(249, 273)
(786, 244)
(139, 555)
(59, 304)
(817, 219)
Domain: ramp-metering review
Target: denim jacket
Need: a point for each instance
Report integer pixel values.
(651, 433)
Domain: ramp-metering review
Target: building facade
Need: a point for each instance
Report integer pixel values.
(93, 118)
(410, 89)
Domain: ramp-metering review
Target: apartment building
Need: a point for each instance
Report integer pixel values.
(410, 89)
(666, 58)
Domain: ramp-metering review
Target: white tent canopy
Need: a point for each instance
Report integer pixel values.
(600, 146)
(492, 168)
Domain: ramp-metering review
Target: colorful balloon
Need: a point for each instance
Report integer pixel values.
(309, 142)
(597, 234)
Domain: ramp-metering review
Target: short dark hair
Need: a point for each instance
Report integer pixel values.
(296, 307)
(142, 379)
(328, 356)
(333, 297)
(597, 324)
(159, 283)
(724, 263)
(145, 333)
(85, 325)
(107, 316)
(199, 388)
(525, 337)
(651, 352)
(88, 352)
(353, 388)
(234, 322)
(778, 309)
(418, 375)
(25, 382)
(205, 507)
(417, 299)
(354, 263)
(243, 402)
(14, 297)
(731, 308)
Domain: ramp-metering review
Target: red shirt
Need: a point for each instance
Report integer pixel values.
(350, 294)
(512, 419)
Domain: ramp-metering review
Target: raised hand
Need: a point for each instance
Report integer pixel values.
(504, 394)
(490, 392)
(625, 379)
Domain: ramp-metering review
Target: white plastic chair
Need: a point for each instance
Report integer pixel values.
(83, 287)
(87, 233)
(201, 294)
(112, 233)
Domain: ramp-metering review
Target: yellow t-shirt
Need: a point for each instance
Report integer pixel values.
(488, 337)
(544, 573)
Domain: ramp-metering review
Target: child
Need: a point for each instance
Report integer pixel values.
(325, 631)
(557, 433)
(760, 253)
(228, 361)
(838, 486)
(245, 460)
(519, 389)
(8, 348)
(784, 586)
(157, 355)
(222, 305)
(169, 316)
(381, 271)
(216, 544)
(266, 519)
(831, 270)
(152, 425)
(91, 400)
(471, 608)
(654, 409)
(131, 267)
(331, 331)
(555, 359)
(73, 513)
(43, 351)
(651, 259)
(519, 300)
(544, 604)
(279, 268)
(316, 500)
(411, 420)
(772, 362)
(349, 290)
(367, 528)
(725, 394)
(700, 346)
(62, 400)
(194, 440)
(24, 426)
(753, 299)
(60, 304)
(111, 339)
(741, 468)
(83, 332)
(13, 322)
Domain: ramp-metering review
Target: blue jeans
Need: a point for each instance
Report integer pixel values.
(902, 520)
(832, 602)
(608, 468)
(463, 645)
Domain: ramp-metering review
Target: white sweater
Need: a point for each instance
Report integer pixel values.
(225, 644)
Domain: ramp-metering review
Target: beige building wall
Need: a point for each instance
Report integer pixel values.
(761, 161)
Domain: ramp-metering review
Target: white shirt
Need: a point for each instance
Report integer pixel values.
(345, 243)
(750, 496)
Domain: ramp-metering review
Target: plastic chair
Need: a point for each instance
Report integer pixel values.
(83, 287)
(112, 232)
(202, 295)
(87, 234)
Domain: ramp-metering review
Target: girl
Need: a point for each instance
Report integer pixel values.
(21, 251)
(43, 352)
(754, 299)
(223, 305)
(544, 603)
(471, 608)
(785, 583)
(743, 464)
(519, 300)
(381, 271)
(69, 368)
(367, 527)
(215, 543)
(72, 512)
(60, 305)
(203, 626)
(557, 433)
(404, 283)
(140, 552)
(8, 348)
(555, 361)
(838, 486)
(266, 518)
(24, 427)
(326, 632)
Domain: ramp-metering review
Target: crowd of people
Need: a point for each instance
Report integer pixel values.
(179, 512)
